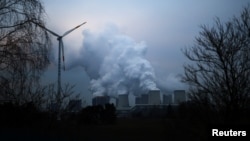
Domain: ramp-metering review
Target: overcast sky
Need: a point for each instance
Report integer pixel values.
(165, 26)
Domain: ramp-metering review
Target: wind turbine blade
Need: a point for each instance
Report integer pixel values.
(73, 29)
(63, 55)
(53, 33)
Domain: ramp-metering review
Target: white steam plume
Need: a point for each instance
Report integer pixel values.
(115, 63)
(170, 82)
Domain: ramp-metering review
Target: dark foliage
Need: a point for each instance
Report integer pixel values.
(98, 115)
(25, 115)
(151, 111)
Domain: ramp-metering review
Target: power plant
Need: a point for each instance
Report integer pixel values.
(167, 99)
(153, 101)
(153, 97)
(179, 96)
(100, 100)
(123, 101)
(143, 99)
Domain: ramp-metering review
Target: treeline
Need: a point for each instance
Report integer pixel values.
(28, 116)
(93, 115)
(192, 111)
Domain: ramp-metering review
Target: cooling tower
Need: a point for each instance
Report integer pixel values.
(179, 96)
(100, 100)
(154, 97)
(167, 99)
(138, 100)
(143, 99)
(123, 100)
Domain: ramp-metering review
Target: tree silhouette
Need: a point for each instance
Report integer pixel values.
(219, 72)
(24, 49)
(67, 94)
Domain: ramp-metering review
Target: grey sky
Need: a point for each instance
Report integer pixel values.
(165, 26)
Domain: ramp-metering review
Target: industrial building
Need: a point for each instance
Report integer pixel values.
(179, 96)
(154, 97)
(100, 100)
(149, 104)
(123, 101)
(143, 99)
(167, 99)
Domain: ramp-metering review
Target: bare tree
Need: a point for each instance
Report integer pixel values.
(219, 74)
(51, 98)
(24, 49)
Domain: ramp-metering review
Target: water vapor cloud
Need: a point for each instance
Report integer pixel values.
(115, 63)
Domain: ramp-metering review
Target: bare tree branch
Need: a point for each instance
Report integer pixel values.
(24, 49)
(221, 64)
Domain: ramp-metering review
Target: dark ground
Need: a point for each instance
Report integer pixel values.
(123, 130)
(96, 123)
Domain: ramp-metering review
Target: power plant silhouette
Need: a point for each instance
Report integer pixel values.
(153, 97)
(153, 103)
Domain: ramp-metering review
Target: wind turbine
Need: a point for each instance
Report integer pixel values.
(61, 48)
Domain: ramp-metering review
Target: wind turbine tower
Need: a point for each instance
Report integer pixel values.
(61, 48)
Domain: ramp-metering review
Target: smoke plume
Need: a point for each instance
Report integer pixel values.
(167, 83)
(115, 63)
